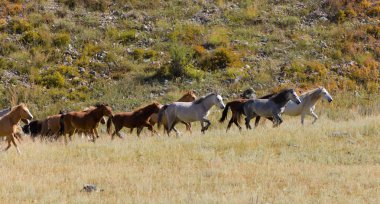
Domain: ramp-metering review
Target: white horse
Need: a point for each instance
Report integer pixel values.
(197, 110)
(307, 105)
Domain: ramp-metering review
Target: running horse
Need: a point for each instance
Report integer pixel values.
(269, 108)
(307, 105)
(187, 97)
(197, 110)
(84, 120)
(8, 123)
(236, 107)
(137, 118)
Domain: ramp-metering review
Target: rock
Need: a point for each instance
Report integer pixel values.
(81, 70)
(92, 72)
(90, 188)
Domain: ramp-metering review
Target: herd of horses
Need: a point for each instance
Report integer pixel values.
(186, 110)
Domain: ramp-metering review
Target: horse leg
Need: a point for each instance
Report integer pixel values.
(303, 117)
(150, 127)
(257, 121)
(116, 132)
(312, 113)
(9, 139)
(188, 126)
(14, 143)
(277, 120)
(237, 123)
(204, 128)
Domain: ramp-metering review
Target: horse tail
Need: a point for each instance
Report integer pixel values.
(109, 124)
(62, 124)
(225, 112)
(160, 114)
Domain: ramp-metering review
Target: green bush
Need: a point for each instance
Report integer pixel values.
(61, 39)
(221, 58)
(54, 79)
(180, 58)
(126, 37)
(32, 38)
(18, 26)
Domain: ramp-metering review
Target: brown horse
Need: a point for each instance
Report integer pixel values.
(8, 123)
(137, 118)
(236, 107)
(187, 97)
(83, 120)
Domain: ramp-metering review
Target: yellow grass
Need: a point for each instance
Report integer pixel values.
(329, 162)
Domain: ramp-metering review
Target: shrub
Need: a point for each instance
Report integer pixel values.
(61, 39)
(3, 24)
(289, 21)
(192, 72)
(180, 58)
(138, 53)
(68, 71)
(374, 30)
(218, 37)
(126, 37)
(54, 79)
(188, 33)
(32, 38)
(18, 25)
(221, 58)
(374, 11)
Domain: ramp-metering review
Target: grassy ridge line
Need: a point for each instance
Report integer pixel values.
(329, 162)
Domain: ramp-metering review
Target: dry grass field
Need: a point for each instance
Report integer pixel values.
(329, 162)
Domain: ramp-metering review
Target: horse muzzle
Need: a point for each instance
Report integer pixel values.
(330, 100)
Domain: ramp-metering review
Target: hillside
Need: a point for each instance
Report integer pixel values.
(68, 53)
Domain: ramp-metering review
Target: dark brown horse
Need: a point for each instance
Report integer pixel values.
(84, 120)
(137, 118)
(236, 107)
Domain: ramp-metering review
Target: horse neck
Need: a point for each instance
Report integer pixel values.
(315, 96)
(207, 103)
(14, 116)
(146, 111)
(280, 99)
(184, 99)
(96, 114)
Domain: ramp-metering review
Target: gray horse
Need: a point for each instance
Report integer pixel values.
(197, 110)
(269, 108)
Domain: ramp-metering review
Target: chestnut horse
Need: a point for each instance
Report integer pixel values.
(83, 120)
(8, 123)
(137, 118)
(187, 97)
(236, 107)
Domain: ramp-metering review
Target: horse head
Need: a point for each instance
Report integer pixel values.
(292, 95)
(105, 109)
(326, 94)
(218, 100)
(24, 112)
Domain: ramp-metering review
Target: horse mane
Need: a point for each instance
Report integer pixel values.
(98, 105)
(280, 97)
(201, 99)
(268, 96)
(314, 94)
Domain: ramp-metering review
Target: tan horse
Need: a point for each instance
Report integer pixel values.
(8, 123)
(83, 120)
